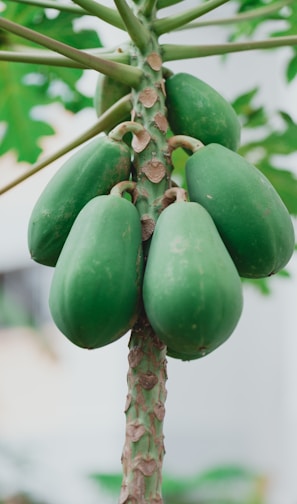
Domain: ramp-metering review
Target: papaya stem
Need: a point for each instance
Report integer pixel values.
(184, 141)
(118, 71)
(139, 34)
(170, 23)
(109, 118)
(124, 186)
(143, 451)
(51, 4)
(174, 194)
(243, 16)
(172, 52)
(111, 16)
(126, 127)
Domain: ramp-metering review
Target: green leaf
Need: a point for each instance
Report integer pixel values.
(16, 108)
(25, 86)
(284, 182)
(242, 103)
(251, 116)
(291, 71)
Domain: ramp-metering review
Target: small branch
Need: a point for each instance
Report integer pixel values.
(244, 16)
(174, 194)
(173, 52)
(118, 71)
(124, 186)
(50, 58)
(125, 127)
(185, 141)
(52, 4)
(104, 13)
(170, 23)
(116, 113)
(137, 31)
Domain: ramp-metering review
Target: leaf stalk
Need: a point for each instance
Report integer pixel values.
(242, 17)
(172, 52)
(118, 71)
(110, 16)
(50, 58)
(51, 4)
(171, 23)
(138, 32)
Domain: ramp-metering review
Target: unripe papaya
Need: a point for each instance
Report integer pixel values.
(197, 110)
(108, 92)
(192, 292)
(249, 214)
(93, 170)
(95, 288)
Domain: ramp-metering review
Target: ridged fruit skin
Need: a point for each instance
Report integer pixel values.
(192, 292)
(108, 92)
(92, 170)
(95, 288)
(249, 214)
(197, 110)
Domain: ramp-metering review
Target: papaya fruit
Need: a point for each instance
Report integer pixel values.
(192, 293)
(92, 170)
(108, 92)
(197, 110)
(249, 214)
(95, 288)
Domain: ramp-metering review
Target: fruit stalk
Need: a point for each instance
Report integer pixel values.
(143, 451)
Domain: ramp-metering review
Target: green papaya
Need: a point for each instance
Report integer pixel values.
(108, 92)
(95, 288)
(92, 170)
(192, 292)
(249, 214)
(197, 110)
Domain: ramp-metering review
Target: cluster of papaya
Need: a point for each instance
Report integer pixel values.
(94, 241)
(232, 225)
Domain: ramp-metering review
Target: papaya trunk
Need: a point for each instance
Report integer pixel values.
(143, 451)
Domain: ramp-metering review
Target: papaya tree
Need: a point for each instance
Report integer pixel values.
(131, 249)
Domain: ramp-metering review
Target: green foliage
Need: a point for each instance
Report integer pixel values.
(220, 485)
(25, 86)
(270, 152)
(287, 16)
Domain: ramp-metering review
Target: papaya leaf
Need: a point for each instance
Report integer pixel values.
(284, 182)
(287, 15)
(291, 71)
(16, 112)
(25, 86)
(243, 102)
(281, 141)
(251, 116)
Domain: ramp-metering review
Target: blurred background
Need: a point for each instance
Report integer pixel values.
(230, 426)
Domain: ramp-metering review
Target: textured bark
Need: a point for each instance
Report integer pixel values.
(143, 451)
